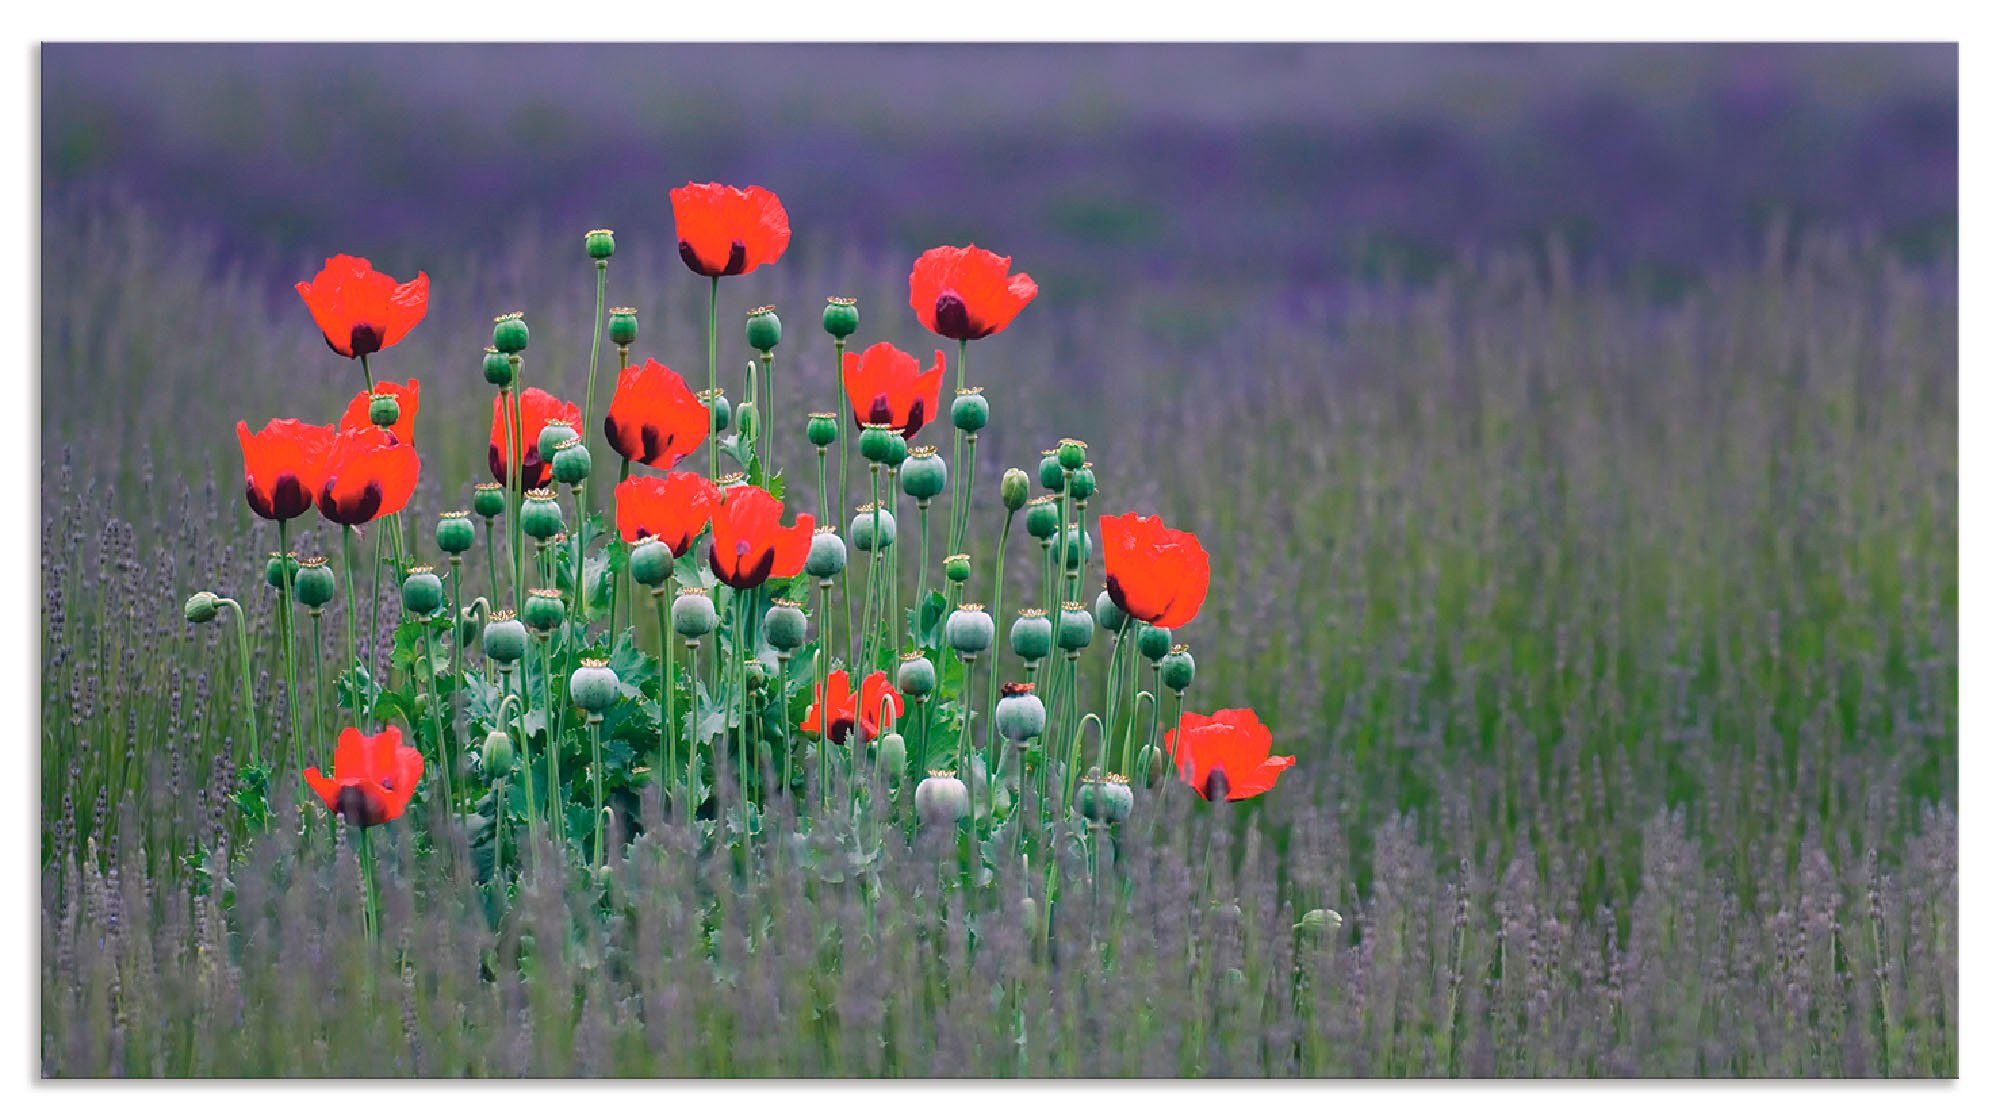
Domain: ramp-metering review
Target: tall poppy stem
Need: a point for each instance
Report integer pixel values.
(923, 551)
(999, 590)
(319, 680)
(286, 622)
(427, 682)
(353, 610)
(770, 410)
(965, 511)
(825, 669)
(618, 584)
(517, 540)
(596, 341)
(367, 376)
(254, 745)
(371, 915)
(714, 292)
(597, 787)
(666, 763)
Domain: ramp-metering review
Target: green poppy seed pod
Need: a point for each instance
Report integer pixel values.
(841, 318)
(1077, 554)
(1154, 642)
(822, 429)
(543, 610)
(488, 500)
(969, 630)
(510, 333)
(593, 687)
(454, 532)
(384, 410)
(1109, 615)
(314, 584)
(498, 371)
(958, 568)
(279, 567)
(505, 639)
(785, 626)
(942, 798)
(693, 613)
(1014, 489)
(599, 244)
(202, 606)
(1031, 635)
(923, 475)
(1020, 715)
(1074, 628)
(897, 452)
(1082, 483)
(1152, 763)
(572, 463)
(541, 517)
(828, 555)
(496, 754)
(554, 434)
(916, 676)
(1177, 669)
(872, 525)
(746, 422)
(762, 330)
(892, 755)
(423, 592)
(1051, 472)
(875, 441)
(1106, 799)
(1320, 922)
(720, 414)
(969, 411)
(1044, 519)
(623, 327)
(1070, 453)
(652, 562)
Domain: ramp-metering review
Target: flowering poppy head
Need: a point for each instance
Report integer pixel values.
(674, 508)
(729, 231)
(1226, 755)
(966, 293)
(539, 409)
(360, 310)
(654, 417)
(836, 710)
(886, 386)
(374, 777)
(1155, 574)
(408, 398)
(368, 475)
(750, 545)
(284, 464)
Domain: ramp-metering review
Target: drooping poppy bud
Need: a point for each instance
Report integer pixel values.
(201, 607)
(496, 754)
(361, 311)
(966, 293)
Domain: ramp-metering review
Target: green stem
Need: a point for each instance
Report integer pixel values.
(714, 291)
(427, 681)
(596, 341)
(353, 612)
(371, 913)
(666, 762)
(999, 619)
(923, 551)
(286, 621)
(597, 788)
(253, 744)
(319, 684)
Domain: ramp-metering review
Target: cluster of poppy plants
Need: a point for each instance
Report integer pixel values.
(751, 566)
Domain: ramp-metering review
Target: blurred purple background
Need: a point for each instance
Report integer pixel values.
(1182, 168)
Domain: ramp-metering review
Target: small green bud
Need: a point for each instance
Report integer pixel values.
(384, 410)
(496, 754)
(489, 500)
(314, 585)
(841, 318)
(892, 756)
(876, 440)
(1070, 453)
(510, 333)
(693, 613)
(1108, 614)
(1074, 628)
(423, 592)
(652, 562)
(916, 676)
(279, 567)
(505, 639)
(1082, 483)
(822, 429)
(785, 626)
(541, 517)
(1031, 635)
(923, 475)
(958, 568)
(1154, 642)
(872, 524)
(498, 370)
(1051, 472)
(599, 245)
(969, 630)
(572, 463)
(1044, 518)
(1152, 764)
(762, 330)
(720, 414)
(554, 434)
(828, 555)
(746, 422)
(1177, 669)
(1020, 715)
(942, 798)
(454, 532)
(201, 607)
(543, 610)
(593, 687)
(624, 326)
(1014, 489)
(968, 410)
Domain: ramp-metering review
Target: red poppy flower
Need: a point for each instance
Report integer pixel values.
(1226, 755)
(1155, 574)
(368, 475)
(729, 231)
(966, 293)
(374, 777)
(674, 508)
(408, 398)
(885, 386)
(360, 310)
(284, 464)
(749, 545)
(538, 410)
(654, 417)
(837, 703)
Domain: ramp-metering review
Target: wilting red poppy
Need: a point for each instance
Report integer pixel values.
(360, 310)
(1226, 755)
(654, 417)
(538, 410)
(750, 546)
(841, 710)
(729, 231)
(374, 777)
(966, 293)
(1155, 574)
(408, 398)
(885, 386)
(368, 475)
(675, 508)
(284, 464)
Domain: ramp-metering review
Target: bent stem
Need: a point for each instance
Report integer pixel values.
(254, 744)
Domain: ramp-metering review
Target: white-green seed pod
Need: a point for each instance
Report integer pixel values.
(693, 614)
(942, 798)
(872, 524)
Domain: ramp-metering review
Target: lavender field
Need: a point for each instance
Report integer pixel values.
(1572, 433)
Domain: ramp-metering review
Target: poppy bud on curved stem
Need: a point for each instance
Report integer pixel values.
(202, 607)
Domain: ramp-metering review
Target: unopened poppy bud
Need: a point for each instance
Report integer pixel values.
(1106, 799)
(1074, 628)
(693, 613)
(1319, 922)
(1070, 453)
(822, 429)
(875, 441)
(1050, 472)
(554, 434)
(785, 626)
(652, 562)
(510, 333)
(505, 639)
(762, 330)
(1020, 715)
(201, 607)
(958, 568)
(623, 327)
(1044, 519)
(872, 525)
(1014, 489)
(969, 630)
(1177, 669)
(384, 410)
(1108, 614)
(488, 500)
(454, 532)
(496, 754)
(313, 586)
(541, 517)
(423, 592)
(942, 798)
(746, 422)
(572, 463)
(1031, 635)
(599, 244)
(923, 475)
(1154, 642)
(968, 410)
(1152, 763)
(1077, 554)
(841, 318)
(593, 687)
(543, 609)
(1082, 483)
(498, 371)
(279, 568)
(892, 755)
(916, 676)
(828, 555)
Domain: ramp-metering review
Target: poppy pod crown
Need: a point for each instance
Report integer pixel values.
(369, 475)
(284, 465)
(1154, 573)
(361, 311)
(374, 777)
(539, 409)
(750, 544)
(887, 387)
(654, 417)
(1226, 755)
(966, 293)
(729, 231)
(409, 397)
(672, 508)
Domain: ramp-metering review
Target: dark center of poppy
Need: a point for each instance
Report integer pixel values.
(953, 318)
(364, 338)
(1216, 786)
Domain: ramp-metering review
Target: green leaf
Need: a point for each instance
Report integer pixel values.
(926, 623)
